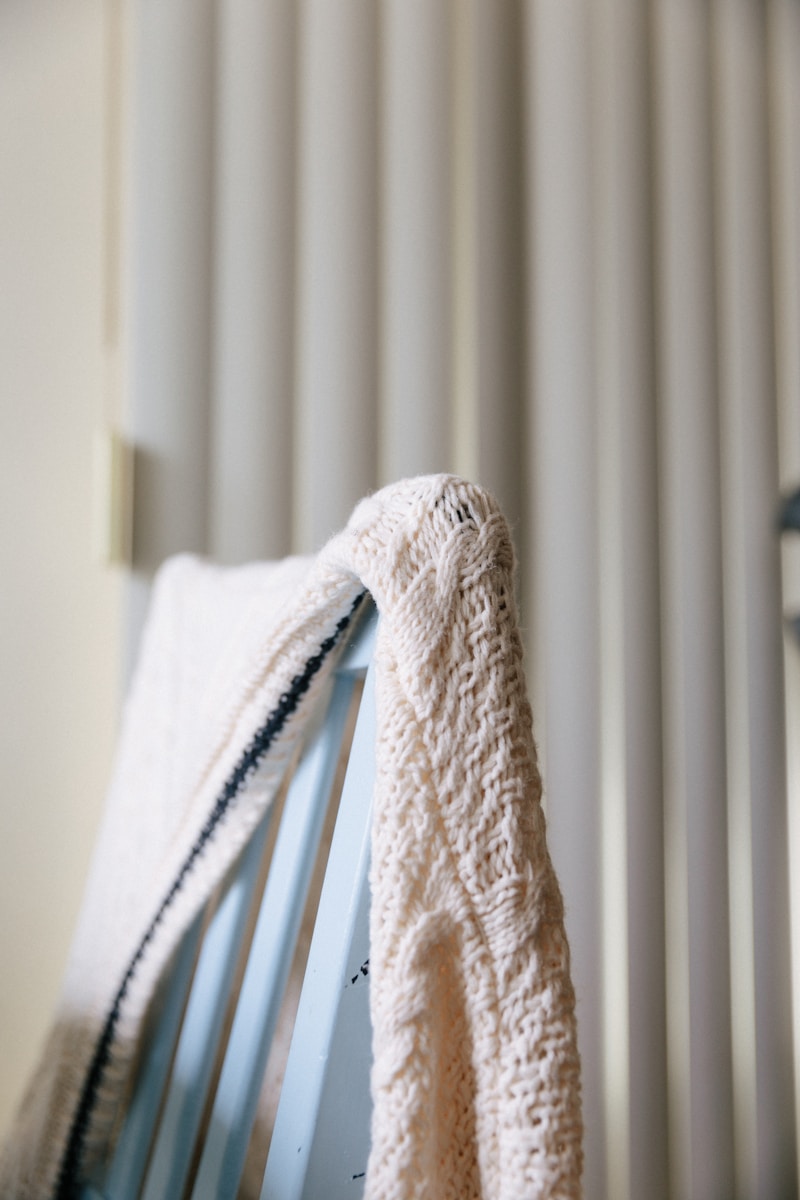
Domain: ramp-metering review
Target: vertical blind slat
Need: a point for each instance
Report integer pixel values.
(633, 882)
(253, 342)
(338, 320)
(416, 242)
(695, 798)
(760, 988)
(783, 50)
(499, 232)
(783, 29)
(563, 569)
(171, 301)
(462, 222)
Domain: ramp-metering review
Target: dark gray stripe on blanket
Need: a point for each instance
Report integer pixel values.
(68, 1183)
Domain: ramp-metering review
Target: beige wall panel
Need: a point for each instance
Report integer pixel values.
(58, 609)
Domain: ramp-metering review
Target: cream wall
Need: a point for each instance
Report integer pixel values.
(59, 611)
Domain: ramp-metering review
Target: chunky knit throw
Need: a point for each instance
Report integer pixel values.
(476, 1076)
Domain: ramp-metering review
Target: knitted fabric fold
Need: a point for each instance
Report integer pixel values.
(475, 1082)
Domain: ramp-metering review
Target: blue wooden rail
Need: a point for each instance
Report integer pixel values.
(178, 1139)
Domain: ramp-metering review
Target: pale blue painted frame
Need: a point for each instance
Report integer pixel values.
(332, 1038)
(320, 1143)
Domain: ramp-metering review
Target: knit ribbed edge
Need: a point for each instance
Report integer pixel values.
(68, 1182)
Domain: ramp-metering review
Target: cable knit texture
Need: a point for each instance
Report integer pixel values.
(475, 1081)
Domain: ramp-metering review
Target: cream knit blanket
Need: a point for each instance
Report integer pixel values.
(476, 1075)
